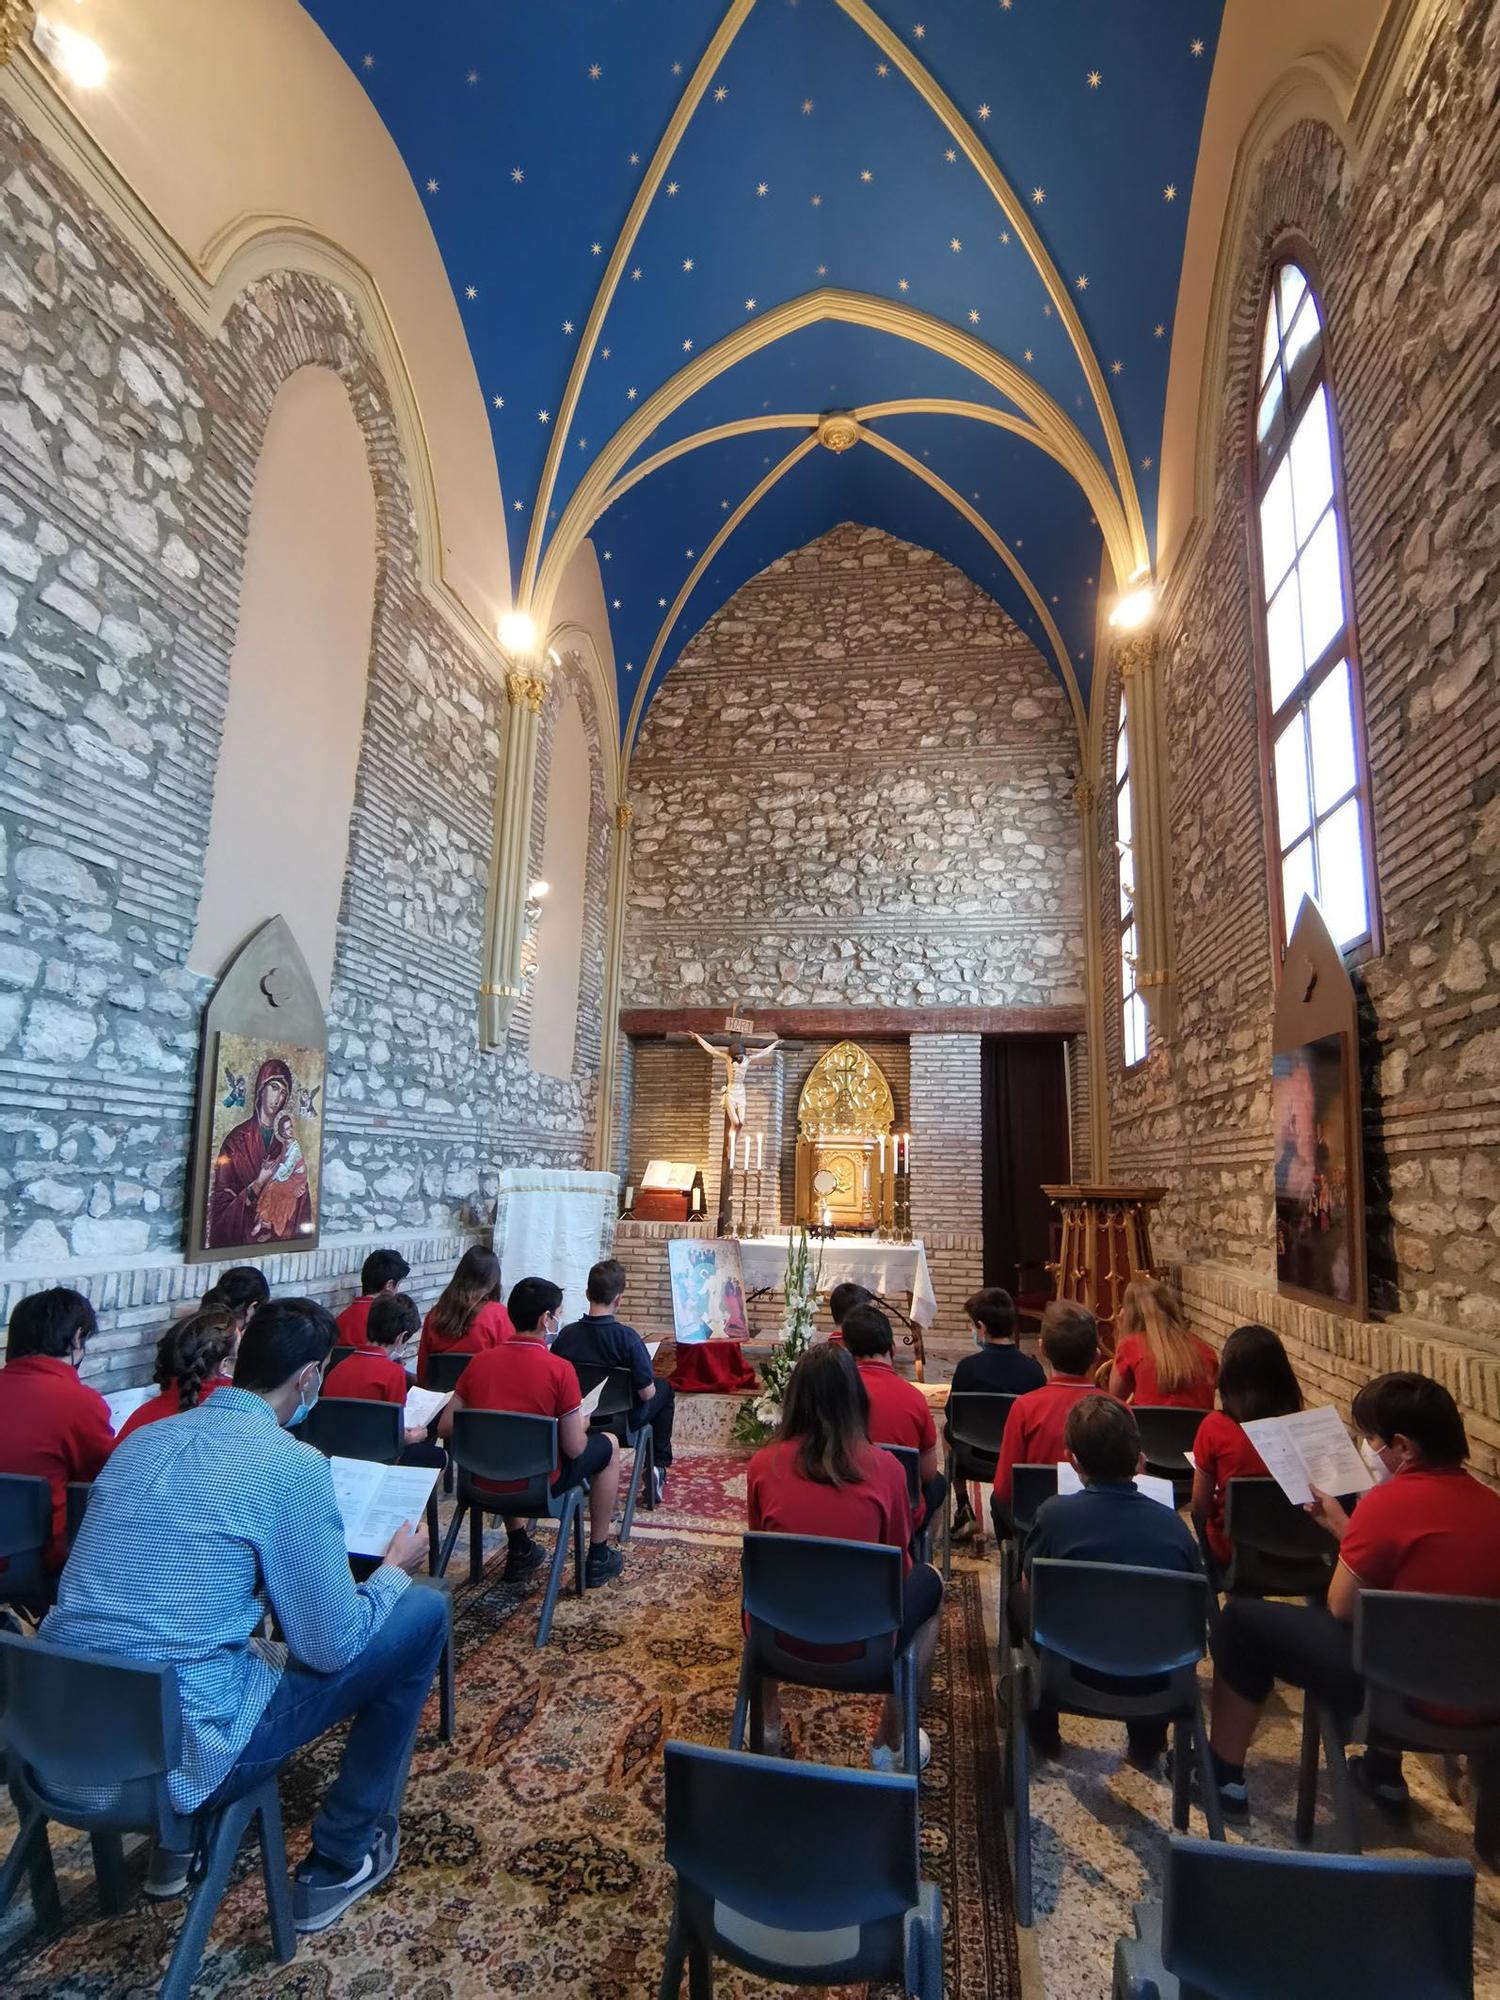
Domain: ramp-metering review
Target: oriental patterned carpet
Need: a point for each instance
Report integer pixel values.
(531, 1859)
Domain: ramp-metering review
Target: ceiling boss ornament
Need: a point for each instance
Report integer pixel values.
(838, 431)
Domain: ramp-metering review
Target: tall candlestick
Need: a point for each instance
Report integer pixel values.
(882, 1152)
(760, 1152)
(908, 1155)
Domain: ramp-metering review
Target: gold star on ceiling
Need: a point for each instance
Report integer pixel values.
(1038, 196)
(807, 107)
(518, 175)
(498, 401)
(596, 249)
(689, 554)
(721, 93)
(903, 285)
(671, 187)
(817, 201)
(822, 270)
(973, 317)
(596, 70)
(471, 291)
(954, 244)
(1169, 192)
(865, 174)
(1083, 283)
(1027, 356)
(1195, 47)
(432, 187)
(369, 62)
(544, 416)
(630, 395)
(583, 444)
(1005, 236)
(472, 77)
(636, 272)
(635, 159)
(687, 263)
(724, 506)
(882, 69)
(1117, 367)
(919, 31)
(984, 112)
(749, 305)
(567, 326)
(677, 69)
(1145, 465)
(1159, 330)
(687, 347)
(1095, 78)
(762, 188)
(605, 352)
(950, 156)
(516, 505)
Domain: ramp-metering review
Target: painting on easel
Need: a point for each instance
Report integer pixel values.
(708, 1290)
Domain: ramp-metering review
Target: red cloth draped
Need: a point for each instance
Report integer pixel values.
(713, 1367)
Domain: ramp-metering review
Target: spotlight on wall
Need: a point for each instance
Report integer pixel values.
(1134, 609)
(537, 891)
(73, 56)
(517, 632)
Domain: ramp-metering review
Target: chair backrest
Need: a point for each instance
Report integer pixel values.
(1116, 1618)
(1258, 1516)
(1442, 1651)
(819, 1591)
(79, 1491)
(77, 1718)
(910, 1461)
(25, 1532)
(354, 1427)
(1167, 1433)
(1030, 1485)
(504, 1445)
(444, 1370)
(1239, 1923)
(619, 1388)
(976, 1418)
(793, 1847)
(339, 1354)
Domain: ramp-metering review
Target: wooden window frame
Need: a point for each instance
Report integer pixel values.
(1295, 250)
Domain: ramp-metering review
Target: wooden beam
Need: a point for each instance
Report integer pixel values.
(819, 1023)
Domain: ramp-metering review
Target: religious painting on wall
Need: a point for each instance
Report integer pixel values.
(258, 1130)
(1310, 1113)
(267, 1144)
(708, 1290)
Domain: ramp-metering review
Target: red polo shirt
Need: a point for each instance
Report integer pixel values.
(354, 1320)
(52, 1426)
(1034, 1429)
(523, 1375)
(898, 1409)
(1222, 1450)
(371, 1376)
(489, 1326)
(167, 1404)
(780, 1501)
(1432, 1528)
(1133, 1359)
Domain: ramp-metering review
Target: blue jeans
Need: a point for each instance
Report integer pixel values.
(385, 1690)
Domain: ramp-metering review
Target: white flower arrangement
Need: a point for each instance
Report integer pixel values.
(761, 1416)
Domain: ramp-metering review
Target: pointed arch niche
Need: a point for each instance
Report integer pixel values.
(284, 787)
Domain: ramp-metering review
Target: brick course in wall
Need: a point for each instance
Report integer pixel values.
(128, 451)
(1408, 260)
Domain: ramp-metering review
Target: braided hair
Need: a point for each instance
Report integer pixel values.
(194, 1351)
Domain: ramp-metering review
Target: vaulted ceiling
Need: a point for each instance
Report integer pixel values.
(683, 234)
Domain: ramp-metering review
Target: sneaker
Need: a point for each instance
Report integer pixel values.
(1234, 1798)
(1392, 1795)
(658, 1484)
(883, 1757)
(321, 1892)
(965, 1528)
(167, 1875)
(523, 1559)
(601, 1565)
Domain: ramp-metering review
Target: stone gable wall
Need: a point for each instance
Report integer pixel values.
(1408, 260)
(853, 788)
(128, 449)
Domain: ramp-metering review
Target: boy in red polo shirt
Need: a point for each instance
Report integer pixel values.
(381, 1276)
(522, 1375)
(899, 1413)
(841, 1302)
(373, 1374)
(52, 1425)
(1034, 1429)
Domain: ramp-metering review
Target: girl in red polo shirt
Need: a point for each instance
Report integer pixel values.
(1255, 1380)
(193, 1358)
(468, 1316)
(822, 1476)
(1158, 1362)
(1427, 1526)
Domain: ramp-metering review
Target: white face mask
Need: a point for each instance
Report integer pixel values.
(1375, 1465)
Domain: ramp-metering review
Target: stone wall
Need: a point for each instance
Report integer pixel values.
(1408, 262)
(853, 788)
(128, 448)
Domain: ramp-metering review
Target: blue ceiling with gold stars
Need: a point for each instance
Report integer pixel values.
(666, 221)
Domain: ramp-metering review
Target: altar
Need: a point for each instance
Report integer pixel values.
(897, 1271)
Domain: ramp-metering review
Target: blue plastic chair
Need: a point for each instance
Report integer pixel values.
(974, 1423)
(1277, 1549)
(1246, 1923)
(1413, 1651)
(72, 1718)
(1167, 1435)
(1119, 1623)
(798, 1873)
(498, 1445)
(338, 1354)
(444, 1371)
(1030, 1485)
(910, 1460)
(25, 1532)
(612, 1414)
(819, 1592)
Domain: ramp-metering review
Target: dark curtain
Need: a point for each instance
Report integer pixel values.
(1024, 1123)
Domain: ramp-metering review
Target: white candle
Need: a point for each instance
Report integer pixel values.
(760, 1151)
(731, 1152)
(908, 1156)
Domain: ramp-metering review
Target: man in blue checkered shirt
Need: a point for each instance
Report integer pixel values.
(195, 1527)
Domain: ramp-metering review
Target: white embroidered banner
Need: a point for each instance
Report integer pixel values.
(550, 1223)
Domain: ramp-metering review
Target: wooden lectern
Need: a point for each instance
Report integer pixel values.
(1106, 1241)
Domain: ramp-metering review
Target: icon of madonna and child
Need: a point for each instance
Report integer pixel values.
(266, 1144)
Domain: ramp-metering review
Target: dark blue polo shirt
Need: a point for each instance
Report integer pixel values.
(998, 1369)
(606, 1342)
(1111, 1523)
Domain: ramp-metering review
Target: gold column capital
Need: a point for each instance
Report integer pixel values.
(1084, 794)
(624, 814)
(1136, 655)
(524, 690)
(16, 18)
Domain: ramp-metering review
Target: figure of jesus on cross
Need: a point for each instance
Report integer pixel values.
(737, 1060)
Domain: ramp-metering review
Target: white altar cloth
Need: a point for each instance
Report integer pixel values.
(896, 1270)
(551, 1225)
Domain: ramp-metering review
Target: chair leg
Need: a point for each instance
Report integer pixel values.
(671, 1972)
(1345, 1809)
(700, 1973)
(579, 1526)
(1208, 1784)
(205, 1901)
(1307, 1770)
(1182, 1787)
(911, 1733)
(742, 1700)
(641, 1459)
(434, 1532)
(109, 1872)
(554, 1580)
(476, 1545)
(1020, 1763)
(948, 1506)
(448, 1541)
(273, 1868)
(446, 1699)
(31, 1856)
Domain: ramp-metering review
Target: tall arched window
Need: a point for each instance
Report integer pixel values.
(1319, 783)
(1132, 1006)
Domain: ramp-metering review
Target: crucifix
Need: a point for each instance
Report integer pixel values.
(736, 1059)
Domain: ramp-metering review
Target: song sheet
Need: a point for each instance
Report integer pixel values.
(1309, 1449)
(376, 1500)
(1156, 1489)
